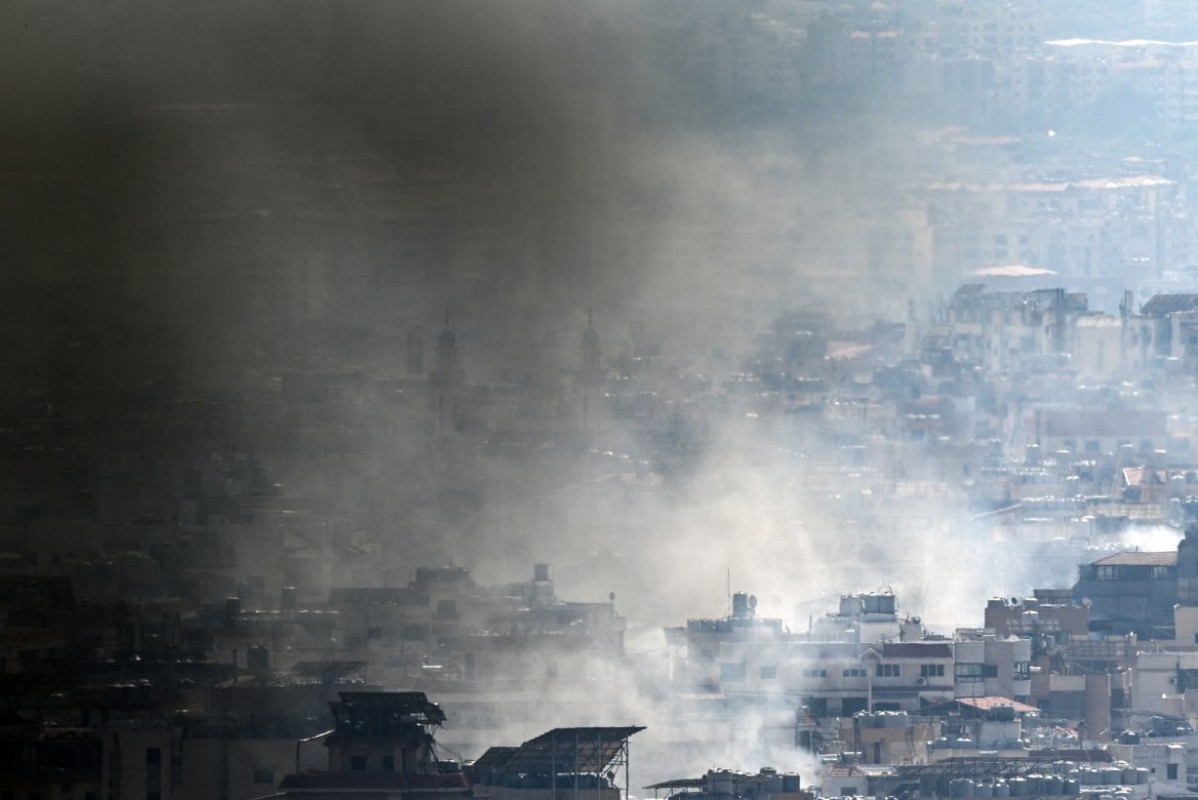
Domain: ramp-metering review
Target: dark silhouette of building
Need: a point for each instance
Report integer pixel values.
(382, 746)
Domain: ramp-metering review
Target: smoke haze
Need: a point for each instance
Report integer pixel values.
(212, 200)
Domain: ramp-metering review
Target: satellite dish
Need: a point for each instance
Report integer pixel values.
(611, 596)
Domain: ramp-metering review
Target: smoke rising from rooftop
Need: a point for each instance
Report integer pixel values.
(210, 199)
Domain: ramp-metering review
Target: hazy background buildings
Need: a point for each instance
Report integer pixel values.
(805, 298)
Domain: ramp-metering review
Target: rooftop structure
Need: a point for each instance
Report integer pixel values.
(381, 747)
(768, 784)
(385, 713)
(1131, 592)
(583, 761)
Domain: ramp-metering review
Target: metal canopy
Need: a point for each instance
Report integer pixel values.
(494, 758)
(679, 783)
(384, 713)
(569, 750)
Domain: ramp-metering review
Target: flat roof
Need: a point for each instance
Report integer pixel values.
(916, 650)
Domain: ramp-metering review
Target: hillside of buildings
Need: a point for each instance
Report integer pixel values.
(756, 400)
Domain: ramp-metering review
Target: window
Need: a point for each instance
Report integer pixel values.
(851, 705)
(1023, 671)
(968, 672)
(815, 673)
(990, 670)
(264, 776)
(931, 670)
(1105, 572)
(357, 763)
(887, 671)
(857, 672)
(769, 673)
(1171, 772)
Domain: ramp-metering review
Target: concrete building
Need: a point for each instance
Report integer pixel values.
(381, 747)
(475, 633)
(1093, 432)
(986, 665)
(1130, 593)
(889, 737)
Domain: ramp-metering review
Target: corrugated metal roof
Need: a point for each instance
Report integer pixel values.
(494, 757)
(1141, 476)
(384, 713)
(679, 783)
(991, 702)
(582, 750)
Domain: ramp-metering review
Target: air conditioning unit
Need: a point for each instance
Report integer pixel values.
(921, 681)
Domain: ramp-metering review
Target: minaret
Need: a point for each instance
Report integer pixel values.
(446, 378)
(590, 346)
(591, 376)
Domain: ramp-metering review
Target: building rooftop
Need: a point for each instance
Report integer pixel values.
(494, 758)
(1163, 304)
(916, 650)
(580, 750)
(988, 703)
(1099, 321)
(384, 713)
(1011, 271)
(384, 783)
(1139, 559)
